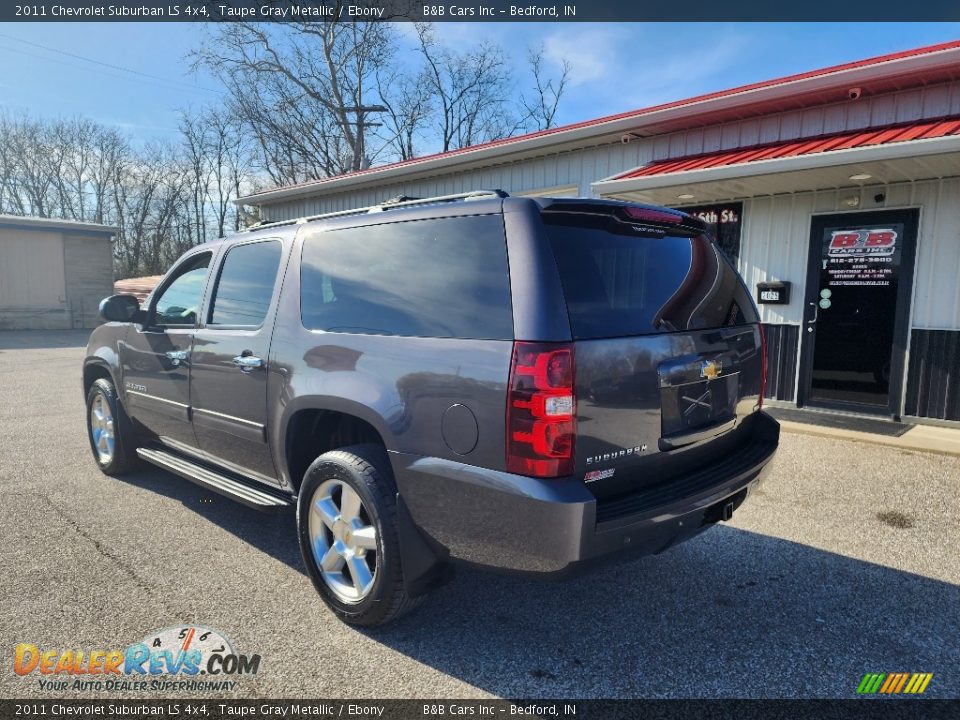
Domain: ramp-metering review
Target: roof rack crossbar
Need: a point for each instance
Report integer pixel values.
(381, 207)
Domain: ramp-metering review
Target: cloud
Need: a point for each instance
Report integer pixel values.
(591, 51)
(668, 75)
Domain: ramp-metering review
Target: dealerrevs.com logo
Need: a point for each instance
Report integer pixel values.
(185, 657)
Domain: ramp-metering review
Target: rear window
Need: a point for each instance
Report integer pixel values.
(425, 278)
(619, 279)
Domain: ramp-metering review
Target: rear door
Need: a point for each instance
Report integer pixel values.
(667, 345)
(229, 365)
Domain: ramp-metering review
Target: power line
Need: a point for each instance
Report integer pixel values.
(104, 73)
(107, 65)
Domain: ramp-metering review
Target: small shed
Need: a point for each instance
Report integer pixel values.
(53, 273)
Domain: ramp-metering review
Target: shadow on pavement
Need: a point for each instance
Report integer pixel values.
(731, 613)
(39, 339)
(273, 534)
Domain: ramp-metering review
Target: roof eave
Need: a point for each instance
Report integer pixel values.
(56, 224)
(893, 151)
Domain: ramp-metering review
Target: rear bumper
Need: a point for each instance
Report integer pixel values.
(520, 524)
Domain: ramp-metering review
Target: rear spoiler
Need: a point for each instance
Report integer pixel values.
(629, 213)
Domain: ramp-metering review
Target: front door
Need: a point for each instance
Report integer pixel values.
(229, 364)
(856, 310)
(156, 356)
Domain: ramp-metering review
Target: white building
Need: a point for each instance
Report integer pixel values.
(843, 182)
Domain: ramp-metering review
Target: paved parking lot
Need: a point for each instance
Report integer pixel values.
(846, 562)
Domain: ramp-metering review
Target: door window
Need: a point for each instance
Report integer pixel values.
(178, 304)
(245, 286)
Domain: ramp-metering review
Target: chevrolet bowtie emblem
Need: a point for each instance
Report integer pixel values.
(711, 369)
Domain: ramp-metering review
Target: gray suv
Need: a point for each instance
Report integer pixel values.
(521, 384)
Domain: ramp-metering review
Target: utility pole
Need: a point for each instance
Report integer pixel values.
(359, 156)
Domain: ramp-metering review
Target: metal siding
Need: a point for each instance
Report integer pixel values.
(770, 129)
(789, 126)
(811, 122)
(935, 101)
(884, 110)
(782, 353)
(750, 132)
(711, 139)
(909, 105)
(32, 287)
(955, 99)
(933, 377)
(89, 277)
(694, 142)
(677, 145)
(936, 302)
(730, 136)
(773, 246)
(31, 268)
(786, 218)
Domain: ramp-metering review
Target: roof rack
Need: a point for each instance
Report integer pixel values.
(391, 204)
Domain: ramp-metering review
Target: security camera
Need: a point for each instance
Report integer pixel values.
(854, 93)
(626, 138)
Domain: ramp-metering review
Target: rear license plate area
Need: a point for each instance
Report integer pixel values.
(696, 405)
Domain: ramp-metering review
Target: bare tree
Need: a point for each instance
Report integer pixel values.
(471, 88)
(542, 107)
(162, 198)
(409, 108)
(279, 76)
(216, 155)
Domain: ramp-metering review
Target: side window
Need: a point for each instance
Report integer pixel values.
(245, 285)
(425, 278)
(179, 303)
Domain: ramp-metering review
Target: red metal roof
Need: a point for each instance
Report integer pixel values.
(140, 286)
(807, 146)
(880, 59)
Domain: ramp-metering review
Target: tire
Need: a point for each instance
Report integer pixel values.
(326, 521)
(121, 457)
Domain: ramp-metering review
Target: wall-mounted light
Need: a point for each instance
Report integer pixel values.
(852, 201)
(861, 176)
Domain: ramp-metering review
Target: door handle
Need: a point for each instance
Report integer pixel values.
(247, 362)
(177, 356)
(816, 314)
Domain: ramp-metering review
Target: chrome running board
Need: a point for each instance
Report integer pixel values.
(245, 492)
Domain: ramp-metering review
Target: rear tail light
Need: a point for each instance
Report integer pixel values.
(763, 366)
(541, 410)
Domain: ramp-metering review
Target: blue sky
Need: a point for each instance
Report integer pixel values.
(616, 67)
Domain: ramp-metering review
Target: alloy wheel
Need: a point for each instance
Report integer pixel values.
(102, 429)
(344, 541)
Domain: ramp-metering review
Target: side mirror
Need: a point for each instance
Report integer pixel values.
(120, 308)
